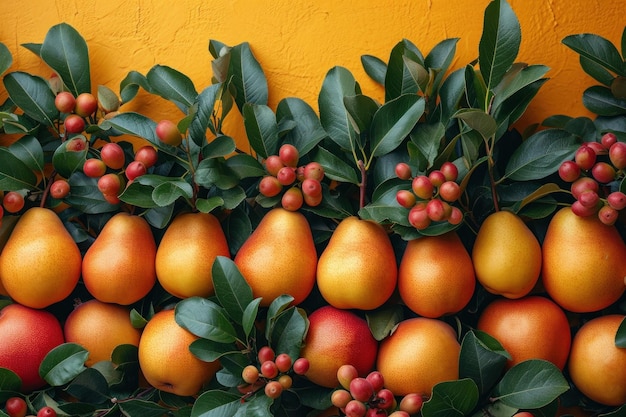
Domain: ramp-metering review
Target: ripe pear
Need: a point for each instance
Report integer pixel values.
(584, 262)
(119, 266)
(279, 257)
(40, 263)
(506, 255)
(186, 252)
(358, 268)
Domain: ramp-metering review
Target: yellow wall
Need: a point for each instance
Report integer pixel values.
(297, 42)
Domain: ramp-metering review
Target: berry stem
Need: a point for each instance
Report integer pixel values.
(363, 183)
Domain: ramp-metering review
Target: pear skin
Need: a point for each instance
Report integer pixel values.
(40, 263)
(358, 268)
(186, 253)
(119, 266)
(279, 257)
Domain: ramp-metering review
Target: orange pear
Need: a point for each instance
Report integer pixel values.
(40, 263)
(358, 268)
(279, 257)
(186, 253)
(119, 266)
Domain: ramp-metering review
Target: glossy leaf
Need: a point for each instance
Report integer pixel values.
(450, 94)
(66, 52)
(258, 406)
(205, 319)
(288, 332)
(338, 83)
(261, 129)
(375, 68)
(399, 79)
(512, 83)
(245, 166)
(231, 289)
(334, 167)
(383, 320)
(89, 386)
(172, 85)
(216, 403)
(171, 190)
(33, 95)
(6, 59)
(137, 125)
(63, 363)
(440, 58)
(427, 139)
(601, 101)
(249, 316)
(393, 122)
(9, 380)
(541, 154)
(451, 398)
(85, 195)
(219, 147)
(202, 117)
(66, 162)
(209, 351)
(482, 359)
(14, 173)
(276, 307)
(479, 121)
(596, 71)
(248, 77)
(307, 131)
(139, 407)
(212, 172)
(514, 107)
(620, 336)
(130, 86)
(499, 43)
(361, 110)
(531, 384)
(597, 49)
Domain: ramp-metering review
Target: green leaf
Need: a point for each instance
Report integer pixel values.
(393, 122)
(439, 60)
(338, 83)
(14, 173)
(257, 406)
(232, 197)
(89, 386)
(515, 81)
(6, 59)
(427, 139)
(261, 129)
(249, 316)
(531, 384)
(307, 131)
(248, 78)
(383, 320)
(288, 330)
(399, 79)
(597, 49)
(210, 351)
(276, 307)
(601, 101)
(206, 205)
(137, 125)
(205, 319)
(172, 85)
(129, 86)
(107, 99)
(66, 162)
(375, 68)
(213, 172)
(451, 398)
(479, 121)
(203, 117)
(216, 403)
(482, 359)
(361, 110)
(450, 94)
(144, 408)
(620, 336)
(85, 195)
(231, 289)
(596, 71)
(541, 154)
(245, 166)
(170, 190)
(219, 147)
(499, 43)
(514, 107)
(9, 380)
(66, 52)
(33, 95)
(335, 168)
(63, 363)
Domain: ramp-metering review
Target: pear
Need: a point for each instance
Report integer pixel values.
(119, 266)
(279, 257)
(40, 263)
(186, 253)
(358, 268)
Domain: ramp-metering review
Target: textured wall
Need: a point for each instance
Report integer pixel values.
(297, 42)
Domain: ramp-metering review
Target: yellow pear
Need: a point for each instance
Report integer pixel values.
(186, 252)
(279, 257)
(584, 262)
(40, 263)
(357, 269)
(119, 266)
(506, 255)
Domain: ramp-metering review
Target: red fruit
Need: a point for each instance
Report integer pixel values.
(76, 144)
(13, 202)
(250, 374)
(112, 155)
(449, 171)
(403, 171)
(608, 215)
(340, 398)
(345, 374)
(312, 201)
(411, 403)
(589, 198)
(617, 200)
(456, 216)
(585, 157)
(617, 155)
(436, 210)
(399, 414)
(608, 139)
(569, 171)
(286, 175)
(285, 381)
(168, 133)
(265, 354)
(273, 389)
(135, 169)
(109, 184)
(273, 164)
(314, 171)
(384, 399)
(405, 198)
(301, 366)
(94, 168)
(582, 211)
(376, 379)
(65, 102)
(422, 187)
(148, 155)
(418, 216)
(355, 408)
(28, 335)
(283, 362)
(292, 199)
(597, 147)
(269, 186)
(311, 187)
(437, 178)
(16, 407)
(46, 412)
(584, 184)
(86, 104)
(111, 199)
(450, 191)
(60, 189)
(361, 389)
(269, 369)
(603, 172)
(289, 155)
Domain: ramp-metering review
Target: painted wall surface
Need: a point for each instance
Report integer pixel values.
(297, 42)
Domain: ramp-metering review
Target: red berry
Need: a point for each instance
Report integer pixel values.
(355, 408)
(265, 354)
(449, 171)
(148, 155)
(384, 399)
(311, 187)
(376, 379)
(286, 175)
(289, 155)
(403, 171)
(617, 200)
(86, 104)
(450, 191)
(617, 155)
(456, 216)
(283, 362)
(74, 123)
(301, 366)
(608, 215)
(94, 168)
(250, 374)
(135, 169)
(584, 184)
(597, 147)
(603, 172)
(361, 389)
(60, 189)
(16, 407)
(269, 369)
(168, 133)
(269, 186)
(405, 198)
(569, 171)
(411, 403)
(436, 210)
(273, 389)
(422, 187)
(589, 198)
(418, 216)
(109, 184)
(608, 139)
(273, 164)
(112, 155)
(292, 199)
(65, 102)
(582, 211)
(13, 202)
(340, 398)
(437, 178)
(314, 171)
(585, 157)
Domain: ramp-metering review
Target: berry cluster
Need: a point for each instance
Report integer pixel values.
(17, 407)
(367, 397)
(272, 374)
(430, 197)
(76, 109)
(595, 166)
(303, 182)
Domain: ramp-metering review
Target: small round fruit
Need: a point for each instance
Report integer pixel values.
(265, 354)
(449, 171)
(608, 139)
(94, 168)
(273, 164)
(86, 104)
(435, 210)
(450, 191)
(311, 187)
(74, 123)
(436, 177)
(273, 389)
(135, 169)
(376, 379)
(13, 202)
(603, 172)
(286, 175)
(313, 201)
(269, 369)
(608, 215)
(168, 133)
(283, 362)
(403, 171)
(60, 189)
(313, 171)
(422, 187)
(292, 199)
(16, 407)
(345, 374)
(617, 200)
(289, 155)
(361, 389)
(76, 144)
(580, 210)
(355, 408)
(584, 184)
(405, 198)
(411, 403)
(589, 198)
(596, 365)
(269, 186)
(250, 374)
(418, 216)
(585, 157)
(456, 216)
(301, 366)
(384, 399)
(569, 171)
(617, 155)
(65, 102)
(112, 155)
(148, 155)
(399, 413)
(110, 184)
(340, 398)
